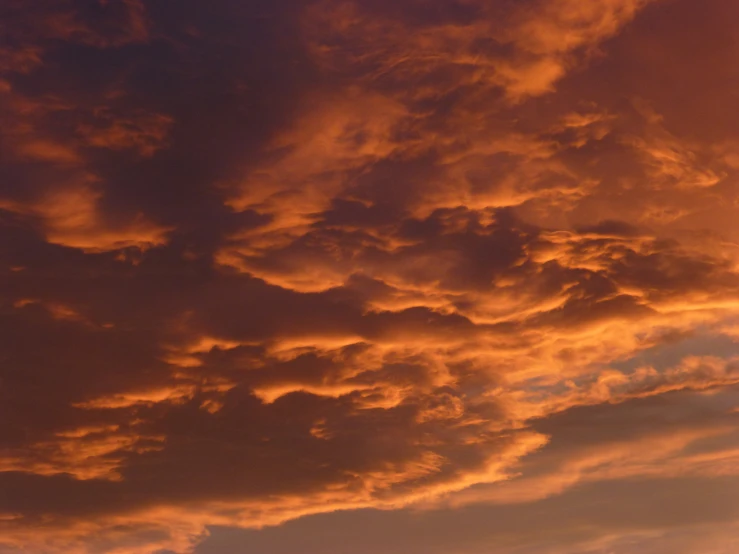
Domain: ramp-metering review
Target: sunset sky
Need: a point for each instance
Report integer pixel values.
(369, 276)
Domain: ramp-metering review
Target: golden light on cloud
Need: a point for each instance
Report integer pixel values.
(418, 272)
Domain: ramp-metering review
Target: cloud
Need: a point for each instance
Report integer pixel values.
(524, 50)
(143, 132)
(262, 265)
(52, 178)
(589, 482)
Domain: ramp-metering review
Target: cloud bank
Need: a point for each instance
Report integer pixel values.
(269, 261)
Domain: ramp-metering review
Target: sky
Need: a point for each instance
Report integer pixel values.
(369, 277)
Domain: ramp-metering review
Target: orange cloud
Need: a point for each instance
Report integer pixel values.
(71, 217)
(401, 256)
(547, 39)
(144, 132)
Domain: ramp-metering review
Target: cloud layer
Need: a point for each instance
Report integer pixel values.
(438, 258)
